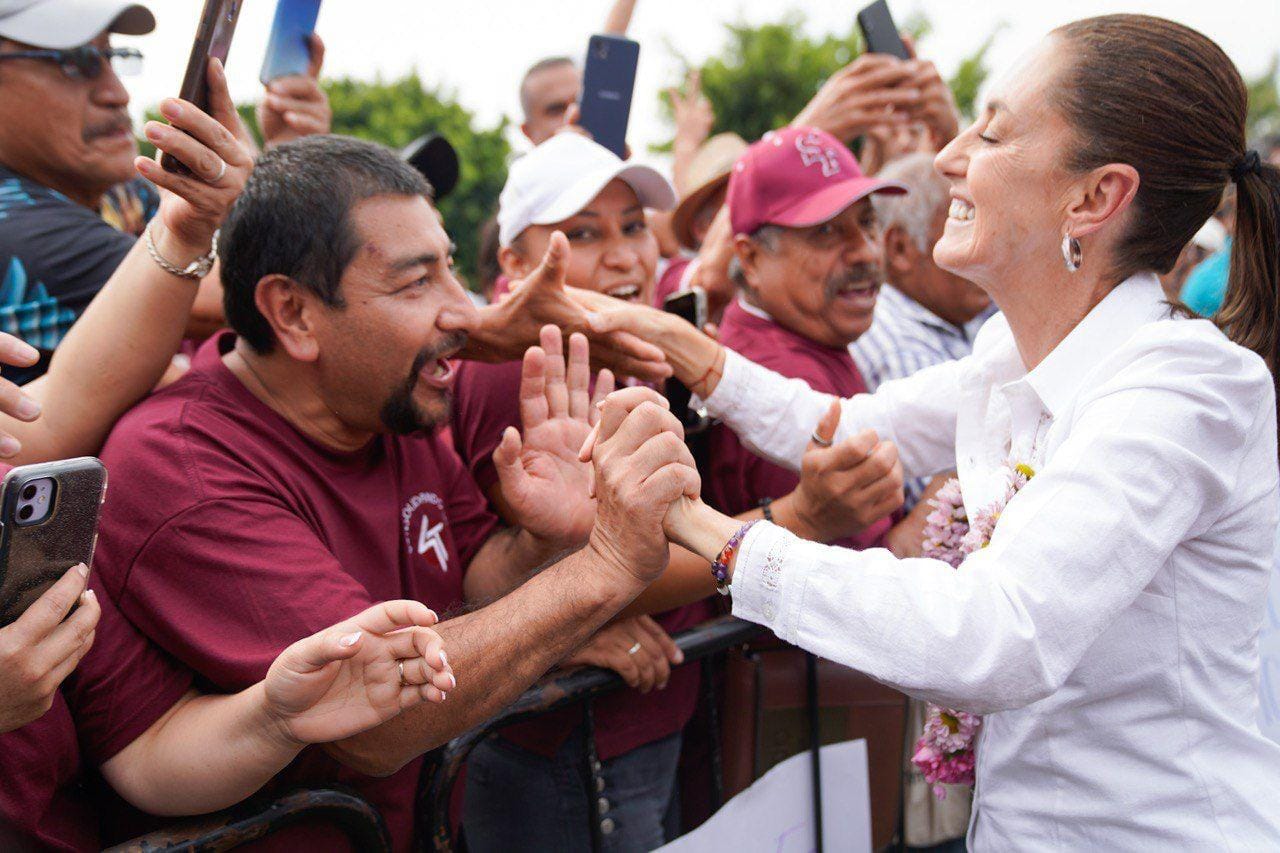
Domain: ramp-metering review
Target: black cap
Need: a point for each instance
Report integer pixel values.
(434, 157)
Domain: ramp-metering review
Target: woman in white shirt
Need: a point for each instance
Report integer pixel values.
(1108, 632)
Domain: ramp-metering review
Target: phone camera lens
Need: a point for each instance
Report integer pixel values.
(29, 491)
(26, 512)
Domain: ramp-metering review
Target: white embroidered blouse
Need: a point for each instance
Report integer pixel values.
(1109, 631)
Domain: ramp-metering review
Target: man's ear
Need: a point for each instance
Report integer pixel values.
(1103, 197)
(900, 252)
(290, 310)
(748, 254)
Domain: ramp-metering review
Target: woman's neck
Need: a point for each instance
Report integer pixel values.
(1042, 314)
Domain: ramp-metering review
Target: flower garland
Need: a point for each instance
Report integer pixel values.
(945, 751)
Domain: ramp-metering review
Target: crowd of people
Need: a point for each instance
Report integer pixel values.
(967, 436)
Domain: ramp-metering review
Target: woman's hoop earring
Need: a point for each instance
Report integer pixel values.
(1071, 252)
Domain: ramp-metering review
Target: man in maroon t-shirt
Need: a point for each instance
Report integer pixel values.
(292, 477)
(808, 265)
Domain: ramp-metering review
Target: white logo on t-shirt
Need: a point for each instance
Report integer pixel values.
(424, 513)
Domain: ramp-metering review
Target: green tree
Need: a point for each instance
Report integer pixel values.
(764, 75)
(397, 112)
(1264, 100)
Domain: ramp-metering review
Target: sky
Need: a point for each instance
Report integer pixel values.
(479, 50)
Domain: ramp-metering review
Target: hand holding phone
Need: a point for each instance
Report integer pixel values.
(48, 523)
(45, 639)
(691, 306)
(608, 78)
(213, 41)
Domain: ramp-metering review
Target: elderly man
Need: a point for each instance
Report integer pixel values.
(295, 472)
(66, 161)
(808, 264)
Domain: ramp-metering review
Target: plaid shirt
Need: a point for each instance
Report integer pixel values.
(906, 337)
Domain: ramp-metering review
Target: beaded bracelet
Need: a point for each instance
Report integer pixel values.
(720, 566)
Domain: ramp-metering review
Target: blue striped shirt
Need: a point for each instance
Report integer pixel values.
(906, 337)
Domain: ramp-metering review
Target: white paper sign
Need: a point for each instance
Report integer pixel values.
(776, 813)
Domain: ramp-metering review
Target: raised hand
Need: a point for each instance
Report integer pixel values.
(39, 649)
(847, 487)
(15, 352)
(642, 467)
(296, 106)
(638, 649)
(541, 299)
(872, 90)
(547, 486)
(193, 206)
(359, 673)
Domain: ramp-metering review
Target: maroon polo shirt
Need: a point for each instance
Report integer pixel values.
(672, 280)
(486, 402)
(122, 686)
(231, 535)
(739, 479)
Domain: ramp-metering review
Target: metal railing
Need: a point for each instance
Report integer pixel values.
(558, 690)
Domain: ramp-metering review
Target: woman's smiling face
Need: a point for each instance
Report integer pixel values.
(1009, 189)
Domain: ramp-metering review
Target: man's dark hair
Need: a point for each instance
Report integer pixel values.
(294, 219)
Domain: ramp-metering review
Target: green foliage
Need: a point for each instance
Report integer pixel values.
(764, 75)
(400, 111)
(1264, 100)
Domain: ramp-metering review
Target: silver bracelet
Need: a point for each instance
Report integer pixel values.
(195, 270)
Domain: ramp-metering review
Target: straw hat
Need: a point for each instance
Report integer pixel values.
(708, 173)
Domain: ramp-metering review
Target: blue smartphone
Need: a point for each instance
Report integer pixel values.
(607, 80)
(287, 51)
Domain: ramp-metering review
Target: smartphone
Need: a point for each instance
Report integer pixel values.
(213, 39)
(608, 78)
(879, 32)
(48, 523)
(691, 305)
(287, 49)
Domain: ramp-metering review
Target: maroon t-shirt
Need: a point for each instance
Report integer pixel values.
(672, 280)
(739, 479)
(231, 535)
(486, 402)
(122, 686)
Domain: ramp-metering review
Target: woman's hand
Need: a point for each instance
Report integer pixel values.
(543, 481)
(296, 106)
(39, 649)
(695, 358)
(638, 649)
(193, 206)
(358, 674)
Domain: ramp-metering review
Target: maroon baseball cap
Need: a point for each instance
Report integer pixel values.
(796, 177)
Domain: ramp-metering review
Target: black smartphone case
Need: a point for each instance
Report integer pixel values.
(608, 79)
(33, 557)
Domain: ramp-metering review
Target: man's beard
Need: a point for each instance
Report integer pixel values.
(859, 274)
(400, 414)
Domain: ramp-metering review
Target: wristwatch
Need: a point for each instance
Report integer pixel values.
(195, 270)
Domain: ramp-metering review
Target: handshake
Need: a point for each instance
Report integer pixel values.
(611, 468)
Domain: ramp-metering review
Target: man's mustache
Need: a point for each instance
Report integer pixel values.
(859, 275)
(120, 123)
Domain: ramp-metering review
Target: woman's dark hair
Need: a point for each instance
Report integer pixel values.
(294, 219)
(1167, 101)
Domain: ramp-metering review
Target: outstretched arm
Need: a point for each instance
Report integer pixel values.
(210, 752)
(619, 18)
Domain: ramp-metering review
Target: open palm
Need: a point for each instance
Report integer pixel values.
(547, 487)
(347, 679)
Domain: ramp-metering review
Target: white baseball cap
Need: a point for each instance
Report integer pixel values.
(1212, 236)
(63, 24)
(562, 175)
